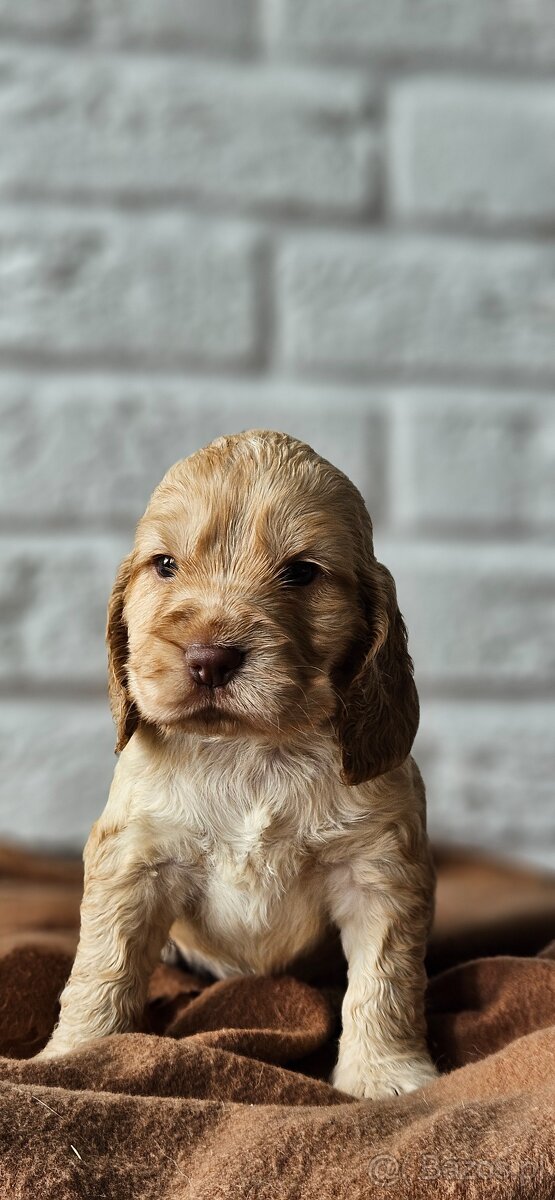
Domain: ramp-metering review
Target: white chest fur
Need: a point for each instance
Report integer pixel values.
(246, 824)
(253, 830)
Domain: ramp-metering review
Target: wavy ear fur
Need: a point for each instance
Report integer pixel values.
(123, 709)
(378, 714)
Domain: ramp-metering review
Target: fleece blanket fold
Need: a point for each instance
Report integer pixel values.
(226, 1096)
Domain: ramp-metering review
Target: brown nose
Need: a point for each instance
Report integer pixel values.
(213, 665)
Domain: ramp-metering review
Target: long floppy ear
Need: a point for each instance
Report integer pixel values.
(123, 709)
(377, 717)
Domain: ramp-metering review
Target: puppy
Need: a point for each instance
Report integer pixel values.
(265, 709)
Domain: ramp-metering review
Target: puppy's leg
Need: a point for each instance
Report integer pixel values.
(126, 914)
(384, 925)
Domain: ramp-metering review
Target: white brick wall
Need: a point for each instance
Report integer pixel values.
(331, 217)
(474, 151)
(148, 127)
(361, 303)
(487, 454)
(158, 290)
(206, 25)
(435, 32)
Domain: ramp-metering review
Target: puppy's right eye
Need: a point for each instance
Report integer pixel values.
(298, 573)
(165, 565)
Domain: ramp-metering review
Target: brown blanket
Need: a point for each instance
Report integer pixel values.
(226, 1095)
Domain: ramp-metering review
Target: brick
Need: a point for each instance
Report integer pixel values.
(57, 763)
(53, 600)
(144, 289)
(489, 772)
(186, 24)
(479, 31)
(471, 462)
(112, 126)
(90, 450)
(475, 152)
(56, 19)
(463, 460)
(355, 304)
(479, 616)
(540, 492)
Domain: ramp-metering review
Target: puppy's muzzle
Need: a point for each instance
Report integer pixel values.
(213, 666)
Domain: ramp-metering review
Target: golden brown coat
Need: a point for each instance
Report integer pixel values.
(253, 816)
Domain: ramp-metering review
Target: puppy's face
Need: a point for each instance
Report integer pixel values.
(242, 608)
(250, 551)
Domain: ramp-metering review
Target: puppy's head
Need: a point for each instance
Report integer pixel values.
(252, 602)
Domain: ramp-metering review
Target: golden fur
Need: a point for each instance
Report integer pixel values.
(252, 817)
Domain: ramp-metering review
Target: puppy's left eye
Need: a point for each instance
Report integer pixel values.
(165, 565)
(299, 573)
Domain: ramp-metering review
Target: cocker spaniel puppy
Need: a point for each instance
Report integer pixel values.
(265, 709)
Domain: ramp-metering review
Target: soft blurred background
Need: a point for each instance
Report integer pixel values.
(330, 216)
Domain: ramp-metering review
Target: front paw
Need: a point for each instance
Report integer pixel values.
(62, 1044)
(52, 1050)
(377, 1078)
